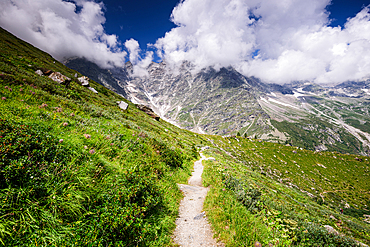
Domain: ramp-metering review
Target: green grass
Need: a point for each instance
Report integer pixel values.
(284, 196)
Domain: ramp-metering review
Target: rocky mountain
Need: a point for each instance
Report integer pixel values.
(225, 102)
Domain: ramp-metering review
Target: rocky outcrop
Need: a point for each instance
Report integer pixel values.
(59, 77)
(148, 111)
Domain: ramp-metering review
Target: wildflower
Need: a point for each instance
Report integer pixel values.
(10, 89)
(85, 147)
(33, 93)
(21, 89)
(24, 79)
(53, 197)
(59, 109)
(3, 98)
(61, 140)
(112, 144)
(133, 134)
(107, 137)
(65, 124)
(92, 151)
(72, 114)
(6, 87)
(87, 136)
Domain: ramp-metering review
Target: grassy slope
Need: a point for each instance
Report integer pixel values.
(116, 187)
(76, 170)
(285, 195)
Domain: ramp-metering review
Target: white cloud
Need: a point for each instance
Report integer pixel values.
(140, 65)
(292, 38)
(56, 27)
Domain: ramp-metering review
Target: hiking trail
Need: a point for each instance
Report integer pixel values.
(192, 227)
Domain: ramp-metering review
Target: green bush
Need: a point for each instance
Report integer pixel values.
(313, 235)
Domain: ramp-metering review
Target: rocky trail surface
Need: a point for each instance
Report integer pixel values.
(192, 227)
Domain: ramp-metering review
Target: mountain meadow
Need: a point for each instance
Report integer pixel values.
(77, 170)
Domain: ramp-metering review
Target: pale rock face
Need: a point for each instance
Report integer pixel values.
(214, 102)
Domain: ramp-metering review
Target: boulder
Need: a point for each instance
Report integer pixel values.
(331, 230)
(92, 89)
(123, 105)
(58, 77)
(84, 81)
(148, 111)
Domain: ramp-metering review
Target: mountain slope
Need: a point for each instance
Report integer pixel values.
(227, 103)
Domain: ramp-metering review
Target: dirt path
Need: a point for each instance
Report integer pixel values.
(192, 227)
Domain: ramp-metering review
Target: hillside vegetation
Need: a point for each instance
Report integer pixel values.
(76, 170)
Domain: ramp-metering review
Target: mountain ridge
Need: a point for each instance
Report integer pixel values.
(227, 103)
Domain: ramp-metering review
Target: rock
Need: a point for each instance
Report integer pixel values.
(331, 230)
(84, 81)
(92, 89)
(123, 105)
(332, 217)
(47, 72)
(148, 111)
(58, 77)
(199, 216)
(39, 72)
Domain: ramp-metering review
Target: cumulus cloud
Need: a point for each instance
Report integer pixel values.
(140, 64)
(277, 41)
(63, 29)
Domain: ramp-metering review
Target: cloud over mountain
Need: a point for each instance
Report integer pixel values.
(64, 29)
(277, 41)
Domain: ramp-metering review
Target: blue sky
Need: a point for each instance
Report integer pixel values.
(148, 20)
(342, 9)
(322, 41)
